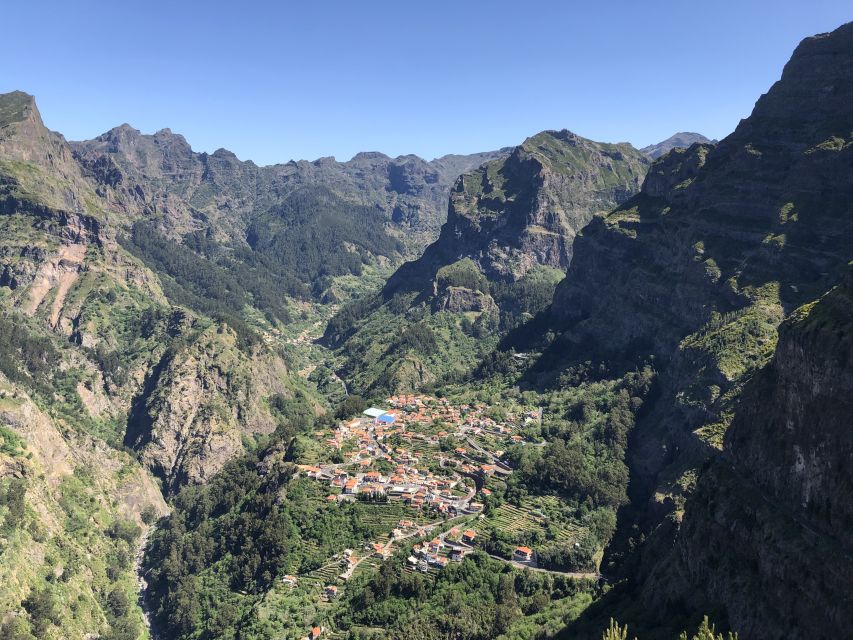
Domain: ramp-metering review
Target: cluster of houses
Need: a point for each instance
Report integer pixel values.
(441, 550)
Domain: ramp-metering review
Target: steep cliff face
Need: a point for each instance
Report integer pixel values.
(200, 401)
(767, 535)
(513, 214)
(506, 243)
(697, 272)
(65, 276)
(792, 435)
(160, 173)
(70, 515)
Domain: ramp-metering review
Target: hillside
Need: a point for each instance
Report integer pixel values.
(143, 315)
(696, 273)
(506, 243)
(680, 140)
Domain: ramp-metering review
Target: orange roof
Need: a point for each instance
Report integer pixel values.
(524, 550)
(470, 533)
(316, 631)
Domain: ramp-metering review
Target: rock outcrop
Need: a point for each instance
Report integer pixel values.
(740, 465)
(506, 243)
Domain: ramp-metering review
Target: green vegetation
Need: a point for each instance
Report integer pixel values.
(212, 562)
(66, 561)
(478, 599)
(295, 249)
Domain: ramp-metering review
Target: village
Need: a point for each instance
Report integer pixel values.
(430, 461)
(424, 452)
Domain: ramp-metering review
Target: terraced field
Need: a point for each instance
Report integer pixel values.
(519, 520)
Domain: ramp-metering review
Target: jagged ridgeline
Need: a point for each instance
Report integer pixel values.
(506, 244)
(225, 234)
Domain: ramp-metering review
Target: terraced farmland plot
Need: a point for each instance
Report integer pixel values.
(327, 574)
(518, 520)
(386, 516)
(510, 518)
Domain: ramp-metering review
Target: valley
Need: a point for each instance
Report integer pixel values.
(537, 392)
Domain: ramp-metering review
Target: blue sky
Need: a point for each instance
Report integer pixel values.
(274, 81)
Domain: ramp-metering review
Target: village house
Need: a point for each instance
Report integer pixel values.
(457, 554)
(289, 581)
(468, 536)
(330, 591)
(315, 633)
(523, 554)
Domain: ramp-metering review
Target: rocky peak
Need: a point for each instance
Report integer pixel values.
(680, 140)
(18, 106)
(810, 104)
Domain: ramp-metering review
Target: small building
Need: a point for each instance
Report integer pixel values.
(523, 554)
(330, 591)
(373, 412)
(289, 581)
(315, 633)
(468, 536)
(350, 486)
(386, 418)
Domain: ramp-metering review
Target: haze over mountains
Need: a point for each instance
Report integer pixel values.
(639, 362)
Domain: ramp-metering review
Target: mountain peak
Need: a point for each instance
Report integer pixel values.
(18, 106)
(680, 140)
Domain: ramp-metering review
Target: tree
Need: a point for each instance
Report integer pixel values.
(615, 632)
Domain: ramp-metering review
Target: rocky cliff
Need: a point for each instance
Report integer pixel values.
(506, 243)
(696, 273)
(127, 353)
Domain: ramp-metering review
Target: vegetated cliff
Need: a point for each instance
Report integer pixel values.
(697, 272)
(680, 140)
(92, 357)
(506, 243)
(127, 352)
(71, 513)
(766, 537)
(193, 191)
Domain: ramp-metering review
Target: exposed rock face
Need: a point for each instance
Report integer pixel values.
(510, 215)
(680, 140)
(197, 404)
(161, 173)
(460, 300)
(61, 264)
(698, 271)
(792, 436)
(506, 243)
(768, 532)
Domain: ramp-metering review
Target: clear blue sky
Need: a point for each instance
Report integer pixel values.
(278, 80)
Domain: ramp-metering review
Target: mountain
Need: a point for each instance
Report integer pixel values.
(696, 274)
(506, 243)
(143, 297)
(639, 378)
(680, 140)
(161, 173)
